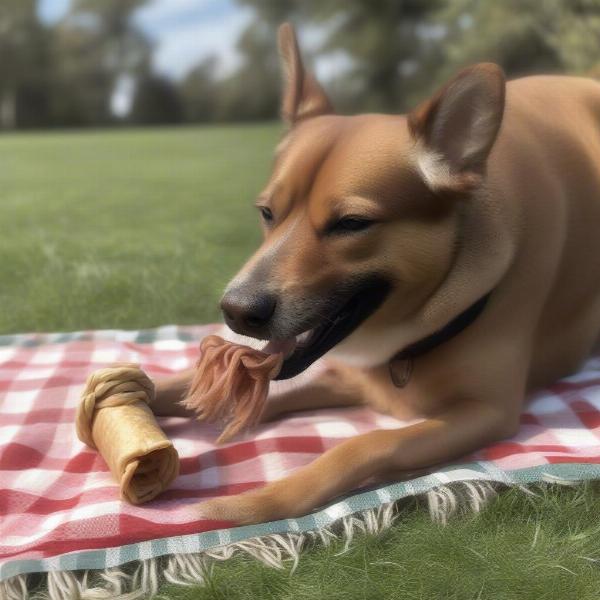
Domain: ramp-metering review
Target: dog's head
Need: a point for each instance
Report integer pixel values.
(361, 214)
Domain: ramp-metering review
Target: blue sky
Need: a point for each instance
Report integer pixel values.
(185, 31)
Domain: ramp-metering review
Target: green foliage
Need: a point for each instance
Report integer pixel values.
(24, 52)
(156, 102)
(402, 51)
(394, 53)
(389, 41)
(523, 36)
(574, 31)
(95, 45)
(200, 92)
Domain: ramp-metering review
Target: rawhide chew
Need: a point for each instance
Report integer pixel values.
(231, 384)
(114, 417)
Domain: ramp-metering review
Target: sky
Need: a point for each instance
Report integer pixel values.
(186, 31)
(183, 31)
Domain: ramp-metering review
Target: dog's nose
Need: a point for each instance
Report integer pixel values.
(248, 314)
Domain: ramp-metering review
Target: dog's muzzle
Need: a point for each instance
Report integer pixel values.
(352, 308)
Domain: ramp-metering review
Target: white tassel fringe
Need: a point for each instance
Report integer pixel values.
(276, 550)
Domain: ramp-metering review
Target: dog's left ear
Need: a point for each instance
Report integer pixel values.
(455, 130)
(303, 97)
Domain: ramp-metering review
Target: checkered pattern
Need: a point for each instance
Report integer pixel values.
(59, 505)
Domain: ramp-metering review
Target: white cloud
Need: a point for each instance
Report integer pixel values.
(158, 13)
(51, 11)
(186, 31)
(327, 66)
(330, 66)
(177, 53)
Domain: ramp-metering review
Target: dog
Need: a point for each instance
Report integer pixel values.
(445, 263)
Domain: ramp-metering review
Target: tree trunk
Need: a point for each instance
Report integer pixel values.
(8, 109)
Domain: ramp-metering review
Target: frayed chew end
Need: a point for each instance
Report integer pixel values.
(231, 384)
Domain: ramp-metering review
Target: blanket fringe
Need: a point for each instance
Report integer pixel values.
(143, 579)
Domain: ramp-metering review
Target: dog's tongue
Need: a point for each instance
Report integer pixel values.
(285, 347)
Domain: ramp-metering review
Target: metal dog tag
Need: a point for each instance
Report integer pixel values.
(400, 371)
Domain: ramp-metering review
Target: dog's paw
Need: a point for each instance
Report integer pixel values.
(256, 506)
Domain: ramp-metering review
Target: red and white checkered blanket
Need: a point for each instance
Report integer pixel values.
(57, 495)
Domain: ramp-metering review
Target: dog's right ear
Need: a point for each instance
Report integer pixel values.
(303, 97)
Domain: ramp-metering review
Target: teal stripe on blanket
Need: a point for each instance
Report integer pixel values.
(187, 544)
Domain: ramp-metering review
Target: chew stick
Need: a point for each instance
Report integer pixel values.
(114, 417)
(231, 384)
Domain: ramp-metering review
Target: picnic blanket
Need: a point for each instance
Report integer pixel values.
(59, 506)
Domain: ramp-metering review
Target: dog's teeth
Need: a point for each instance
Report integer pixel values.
(285, 346)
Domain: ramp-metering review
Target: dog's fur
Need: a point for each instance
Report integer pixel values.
(486, 187)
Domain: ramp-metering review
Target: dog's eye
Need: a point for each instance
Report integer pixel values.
(349, 225)
(266, 214)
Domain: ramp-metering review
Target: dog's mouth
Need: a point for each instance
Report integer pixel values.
(304, 349)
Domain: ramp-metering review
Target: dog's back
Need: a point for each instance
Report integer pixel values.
(550, 142)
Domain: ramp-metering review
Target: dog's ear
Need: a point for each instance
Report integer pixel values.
(303, 97)
(455, 130)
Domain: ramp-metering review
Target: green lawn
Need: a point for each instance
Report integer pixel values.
(125, 229)
(140, 228)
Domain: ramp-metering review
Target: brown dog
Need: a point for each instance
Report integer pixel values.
(446, 261)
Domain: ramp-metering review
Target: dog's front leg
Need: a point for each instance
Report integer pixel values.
(463, 428)
(333, 385)
(169, 392)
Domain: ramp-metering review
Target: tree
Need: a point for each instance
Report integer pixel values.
(199, 92)
(573, 30)
(124, 48)
(401, 50)
(390, 43)
(387, 41)
(253, 91)
(523, 36)
(156, 102)
(24, 45)
(96, 45)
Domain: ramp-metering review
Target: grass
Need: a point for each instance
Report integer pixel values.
(140, 228)
(125, 229)
(521, 547)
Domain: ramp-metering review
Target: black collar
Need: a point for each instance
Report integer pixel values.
(437, 338)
